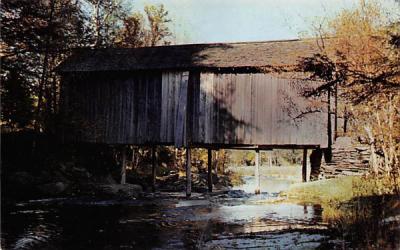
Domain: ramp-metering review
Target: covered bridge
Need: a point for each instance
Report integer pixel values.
(223, 95)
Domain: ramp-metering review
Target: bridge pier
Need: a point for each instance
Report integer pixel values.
(153, 168)
(188, 172)
(257, 172)
(304, 167)
(209, 170)
(123, 166)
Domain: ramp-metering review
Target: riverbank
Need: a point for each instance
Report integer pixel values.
(38, 166)
(362, 210)
(75, 182)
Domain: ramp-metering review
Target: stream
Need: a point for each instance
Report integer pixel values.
(234, 219)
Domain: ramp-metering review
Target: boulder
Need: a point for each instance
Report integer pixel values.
(53, 189)
(122, 190)
(22, 180)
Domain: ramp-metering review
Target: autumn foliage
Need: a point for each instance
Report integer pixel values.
(360, 59)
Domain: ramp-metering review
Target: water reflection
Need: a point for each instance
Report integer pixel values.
(232, 220)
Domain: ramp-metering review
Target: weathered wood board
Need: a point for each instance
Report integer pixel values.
(176, 108)
(136, 108)
(255, 109)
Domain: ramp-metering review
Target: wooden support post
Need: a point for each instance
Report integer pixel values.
(188, 173)
(209, 171)
(153, 168)
(123, 166)
(257, 172)
(304, 169)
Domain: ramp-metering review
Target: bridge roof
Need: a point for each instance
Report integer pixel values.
(192, 56)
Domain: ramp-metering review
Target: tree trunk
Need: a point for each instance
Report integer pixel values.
(43, 78)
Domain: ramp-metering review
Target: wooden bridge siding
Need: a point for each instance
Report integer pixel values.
(150, 108)
(124, 109)
(174, 98)
(135, 108)
(252, 109)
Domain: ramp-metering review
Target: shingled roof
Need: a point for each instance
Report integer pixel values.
(191, 56)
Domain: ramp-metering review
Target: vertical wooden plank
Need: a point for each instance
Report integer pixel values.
(136, 106)
(169, 107)
(131, 112)
(158, 104)
(164, 107)
(272, 96)
(208, 88)
(194, 84)
(259, 109)
(304, 167)
(176, 81)
(122, 111)
(276, 113)
(151, 109)
(188, 173)
(142, 116)
(112, 113)
(209, 170)
(253, 110)
(180, 122)
(257, 172)
(202, 110)
(147, 119)
(226, 102)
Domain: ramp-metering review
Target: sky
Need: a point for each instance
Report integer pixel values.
(207, 21)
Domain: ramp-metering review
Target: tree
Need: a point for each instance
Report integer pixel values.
(133, 33)
(106, 19)
(38, 35)
(35, 37)
(140, 31)
(158, 19)
(359, 58)
(16, 102)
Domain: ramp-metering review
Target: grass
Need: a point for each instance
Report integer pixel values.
(340, 189)
(356, 208)
(323, 191)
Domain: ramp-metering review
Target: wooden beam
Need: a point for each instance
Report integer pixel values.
(209, 170)
(188, 173)
(218, 146)
(123, 166)
(153, 168)
(257, 172)
(304, 169)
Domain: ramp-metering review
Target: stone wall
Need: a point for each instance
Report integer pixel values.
(348, 158)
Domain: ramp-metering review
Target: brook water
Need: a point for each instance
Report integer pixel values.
(235, 220)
